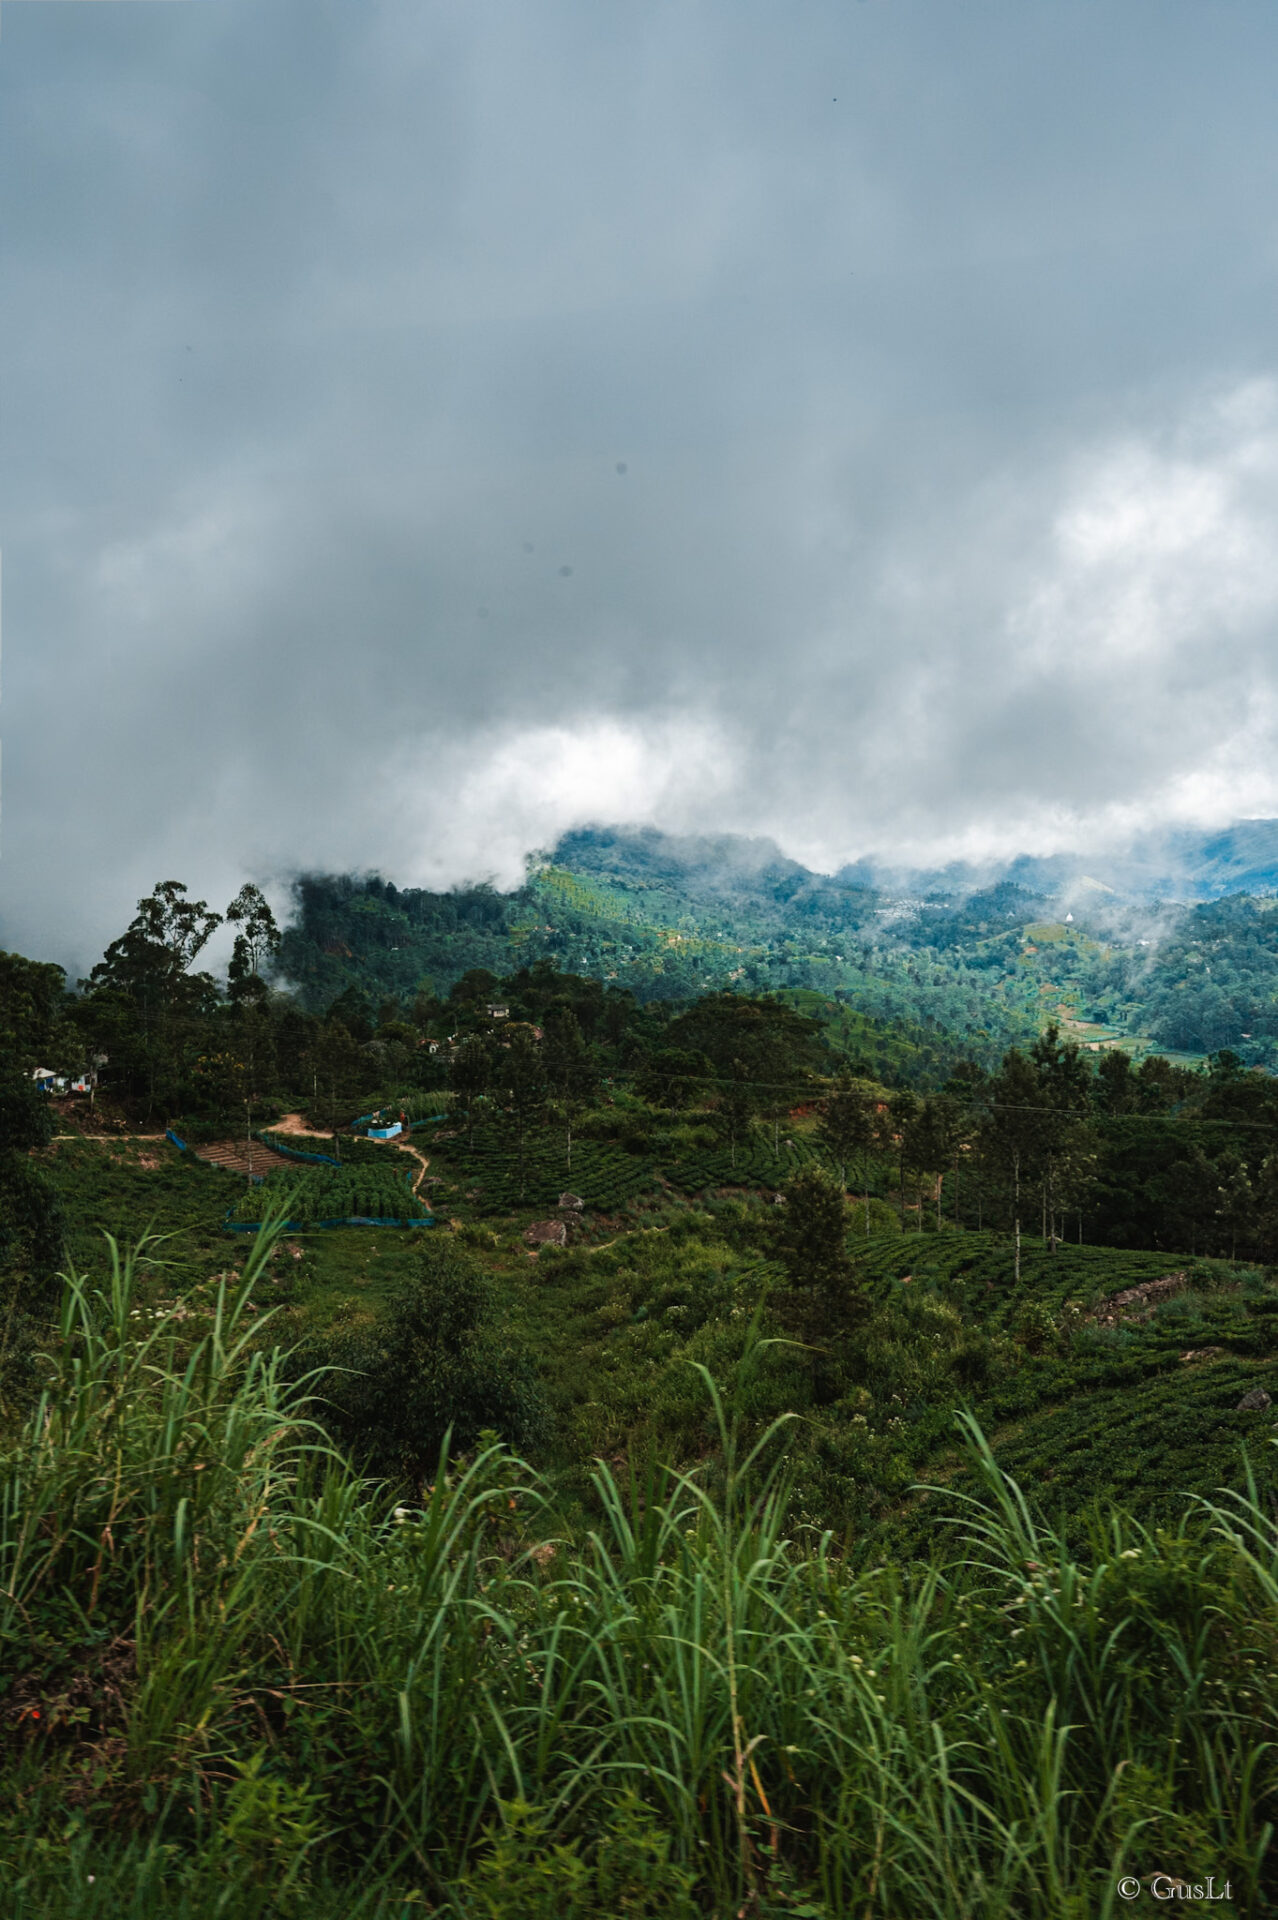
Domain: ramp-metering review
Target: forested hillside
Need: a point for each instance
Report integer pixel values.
(667, 918)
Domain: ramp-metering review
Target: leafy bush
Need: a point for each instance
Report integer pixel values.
(437, 1363)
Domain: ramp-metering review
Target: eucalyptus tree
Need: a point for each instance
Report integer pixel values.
(571, 1070)
(256, 944)
(471, 1069)
(520, 1076)
(1067, 1143)
(1011, 1133)
(932, 1138)
(144, 992)
(849, 1130)
(902, 1108)
(257, 940)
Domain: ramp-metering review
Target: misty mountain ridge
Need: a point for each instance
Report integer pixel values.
(1173, 865)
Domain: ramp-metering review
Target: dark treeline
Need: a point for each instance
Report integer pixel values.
(1055, 1142)
(1156, 1155)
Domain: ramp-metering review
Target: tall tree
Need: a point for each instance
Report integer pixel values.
(932, 1136)
(1012, 1133)
(738, 1103)
(1236, 1208)
(1067, 1146)
(902, 1109)
(256, 943)
(338, 1071)
(521, 1077)
(820, 1301)
(1265, 1200)
(257, 940)
(572, 1073)
(147, 972)
(471, 1071)
(848, 1129)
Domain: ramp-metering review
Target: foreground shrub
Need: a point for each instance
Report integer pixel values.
(438, 1363)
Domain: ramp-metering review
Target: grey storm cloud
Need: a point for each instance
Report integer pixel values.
(431, 426)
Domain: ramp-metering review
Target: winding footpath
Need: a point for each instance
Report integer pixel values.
(234, 1155)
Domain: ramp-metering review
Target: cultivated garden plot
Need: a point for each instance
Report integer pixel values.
(319, 1196)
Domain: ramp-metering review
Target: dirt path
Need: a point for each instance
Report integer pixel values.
(294, 1123)
(402, 1145)
(422, 1161)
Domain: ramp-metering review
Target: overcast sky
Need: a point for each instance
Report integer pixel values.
(431, 424)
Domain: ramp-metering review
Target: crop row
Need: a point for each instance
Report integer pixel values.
(323, 1194)
(1174, 1431)
(602, 1175)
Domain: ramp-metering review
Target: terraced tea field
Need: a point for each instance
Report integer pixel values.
(487, 1171)
(978, 1270)
(607, 1176)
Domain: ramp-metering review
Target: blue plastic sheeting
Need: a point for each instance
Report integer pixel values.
(385, 1133)
(256, 1178)
(295, 1153)
(369, 1120)
(301, 1226)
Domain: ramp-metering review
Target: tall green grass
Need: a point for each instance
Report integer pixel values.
(236, 1679)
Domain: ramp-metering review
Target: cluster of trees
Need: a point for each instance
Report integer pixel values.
(741, 1058)
(166, 1032)
(1016, 1139)
(1155, 1155)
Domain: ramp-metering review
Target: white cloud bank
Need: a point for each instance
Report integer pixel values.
(428, 429)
